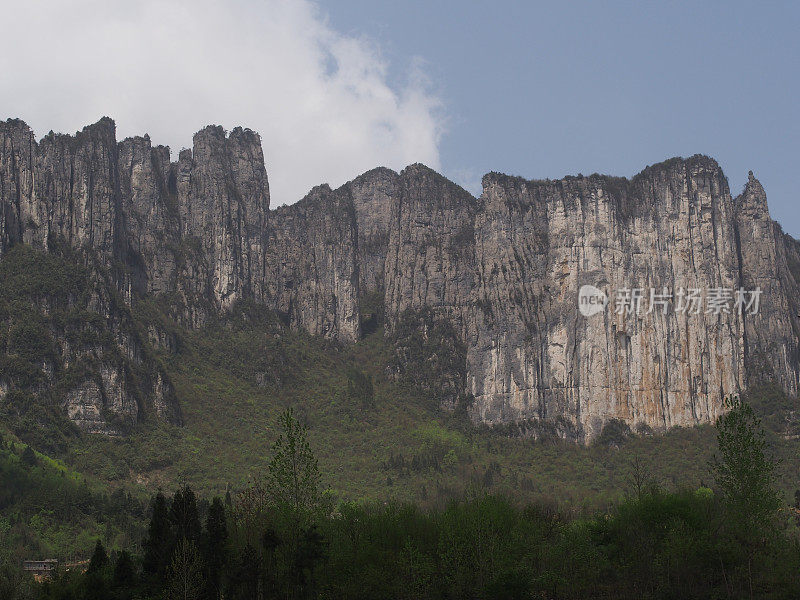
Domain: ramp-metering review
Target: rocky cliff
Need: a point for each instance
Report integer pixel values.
(194, 236)
(479, 295)
(504, 271)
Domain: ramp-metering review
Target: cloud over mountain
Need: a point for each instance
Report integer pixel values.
(322, 100)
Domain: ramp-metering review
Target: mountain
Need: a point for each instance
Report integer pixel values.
(479, 296)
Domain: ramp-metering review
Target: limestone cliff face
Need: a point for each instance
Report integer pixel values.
(537, 357)
(68, 339)
(480, 295)
(312, 264)
(151, 215)
(196, 234)
(768, 260)
(526, 249)
(64, 187)
(223, 199)
(374, 194)
(63, 196)
(430, 259)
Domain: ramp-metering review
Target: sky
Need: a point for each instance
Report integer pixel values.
(338, 87)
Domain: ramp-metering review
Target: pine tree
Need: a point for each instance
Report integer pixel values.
(159, 539)
(184, 517)
(214, 548)
(124, 572)
(99, 558)
(96, 582)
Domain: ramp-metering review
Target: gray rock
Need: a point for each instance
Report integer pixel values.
(501, 273)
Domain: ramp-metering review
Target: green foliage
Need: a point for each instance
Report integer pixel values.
(28, 457)
(429, 356)
(360, 388)
(99, 560)
(614, 434)
(183, 516)
(293, 478)
(53, 338)
(159, 538)
(48, 510)
(185, 573)
(124, 573)
(744, 470)
(214, 548)
(656, 544)
(378, 437)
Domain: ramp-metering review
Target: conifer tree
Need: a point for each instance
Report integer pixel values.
(99, 558)
(184, 517)
(214, 548)
(124, 572)
(159, 539)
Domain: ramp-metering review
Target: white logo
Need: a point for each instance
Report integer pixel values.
(591, 300)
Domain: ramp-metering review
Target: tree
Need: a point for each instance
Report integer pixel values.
(183, 516)
(310, 552)
(99, 558)
(797, 506)
(185, 573)
(124, 573)
(244, 575)
(15, 584)
(96, 579)
(743, 469)
(159, 539)
(214, 546)
(746, 475)
(293, 489)
(29, 457)
(294, 478)
(639, 479)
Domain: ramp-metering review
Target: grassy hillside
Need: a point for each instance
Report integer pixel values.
(48, 509)
(376, 438)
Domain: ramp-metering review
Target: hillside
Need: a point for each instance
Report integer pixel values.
(377, 435)
(156, 317)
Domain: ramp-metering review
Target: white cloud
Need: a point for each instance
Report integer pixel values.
(321, 100)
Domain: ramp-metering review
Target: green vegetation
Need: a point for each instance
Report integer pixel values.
(60, 321)
(387, 442)
(47, 509)
(376, 438)
(397, 473)
(279, 538)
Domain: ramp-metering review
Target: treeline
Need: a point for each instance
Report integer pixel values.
(282, 538)
(47, 510)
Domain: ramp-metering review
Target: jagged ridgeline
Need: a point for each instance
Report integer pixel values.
(107, 245)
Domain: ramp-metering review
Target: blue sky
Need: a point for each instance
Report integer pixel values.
(547, 90)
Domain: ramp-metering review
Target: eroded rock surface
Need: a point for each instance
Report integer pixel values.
(494, 279)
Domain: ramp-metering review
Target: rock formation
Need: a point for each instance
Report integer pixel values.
(505, 271)
(482, 291)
